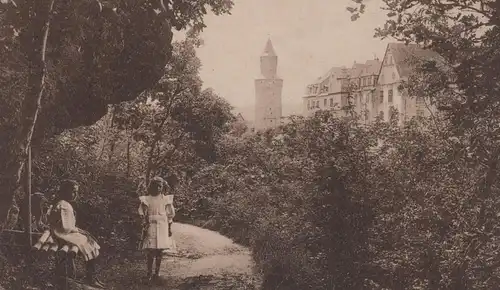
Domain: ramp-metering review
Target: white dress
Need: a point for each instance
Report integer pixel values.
(65, 230)
(158, 212)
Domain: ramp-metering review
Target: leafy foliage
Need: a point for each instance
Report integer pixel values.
(463, 84)
(177, 122)
(73, 59)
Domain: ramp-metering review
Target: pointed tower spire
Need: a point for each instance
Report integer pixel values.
(268, 89)
(269, 49)
(269, 61)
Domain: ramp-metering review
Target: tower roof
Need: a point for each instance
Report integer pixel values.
(269, 49)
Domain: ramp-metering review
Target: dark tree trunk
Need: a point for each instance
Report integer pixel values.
(15, 153)
(128, 154)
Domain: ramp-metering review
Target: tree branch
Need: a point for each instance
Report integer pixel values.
(177, 142)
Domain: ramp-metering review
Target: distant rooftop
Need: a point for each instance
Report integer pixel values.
(370, 67)
(269, 49)
(404, 55)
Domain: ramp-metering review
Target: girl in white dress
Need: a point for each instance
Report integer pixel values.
(62, 220)
(157, 211)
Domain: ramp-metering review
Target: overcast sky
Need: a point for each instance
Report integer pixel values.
(309, 37)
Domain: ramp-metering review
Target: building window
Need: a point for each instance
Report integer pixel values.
(364, 82)
(369, 81)
(420, 106)
(375, 80)
(390, 96)
(317, 104)
(325, 102)
(381, 97)
(331, 102)
(343, 101)
(381, 114)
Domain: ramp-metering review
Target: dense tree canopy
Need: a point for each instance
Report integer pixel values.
(97, 53)
(464, 86)
(323, 202)
(63, 62)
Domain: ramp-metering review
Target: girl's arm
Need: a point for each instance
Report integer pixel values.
(68, 220)
(143, 207)
(170, 208)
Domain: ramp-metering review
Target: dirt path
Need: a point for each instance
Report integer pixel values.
(206, 260)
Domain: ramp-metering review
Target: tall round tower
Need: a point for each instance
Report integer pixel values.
(268, 89)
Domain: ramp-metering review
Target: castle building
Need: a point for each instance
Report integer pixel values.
(268, 90)
(372, 88)
(332, 91)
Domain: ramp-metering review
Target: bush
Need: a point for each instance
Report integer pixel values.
(107, 205)
(326, 203)
(289, 196)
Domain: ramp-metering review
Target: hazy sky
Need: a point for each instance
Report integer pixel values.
(309, 37)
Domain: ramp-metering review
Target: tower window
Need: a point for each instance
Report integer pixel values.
(390, 96)
(324, 102)
(331, 102)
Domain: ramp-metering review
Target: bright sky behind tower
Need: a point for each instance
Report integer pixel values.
(309, 36)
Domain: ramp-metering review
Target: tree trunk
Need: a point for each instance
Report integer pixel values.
(106, 135)
(128, 154)
(149, 167)
(112, 139)
(16, 151)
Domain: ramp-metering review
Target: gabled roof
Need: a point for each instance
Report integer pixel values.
(332, 71)
(369, 68)
(240, 117)
(356, 70)
(269, 49)
(406, 55)
(372, 67)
